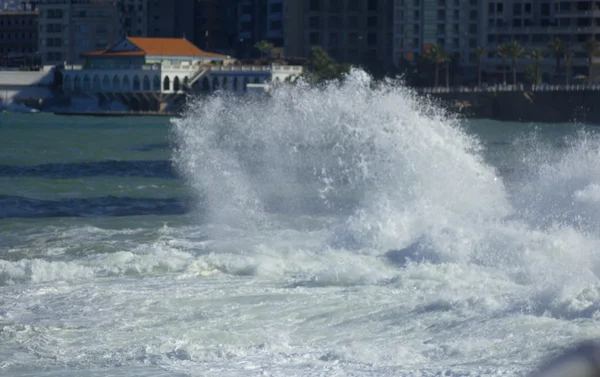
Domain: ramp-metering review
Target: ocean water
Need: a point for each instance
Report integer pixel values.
(351, 230)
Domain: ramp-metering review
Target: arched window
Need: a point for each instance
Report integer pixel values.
(156, 84)
(146, 85)
(126, 84)
(106, 83)
(116, 84)
(87, 83)
(96, 84)
(136, 83)
(186, 83)
(77, 84)
(176, 86)
(166, 83)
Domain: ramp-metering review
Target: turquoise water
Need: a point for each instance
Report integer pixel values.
(343, 231)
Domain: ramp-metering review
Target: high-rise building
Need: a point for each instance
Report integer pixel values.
(133, 16)
(259, 20)
(358, 32)
(18, 38)
(170, 19)
(456, 25)
(215, 26)
(69, 28)
(535, 23)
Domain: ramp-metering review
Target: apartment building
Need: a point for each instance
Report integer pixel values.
(19, 38)
(133, 17)
(457, 25)
(68, 28)
(357, 32)
(535, 23)
(170, 19)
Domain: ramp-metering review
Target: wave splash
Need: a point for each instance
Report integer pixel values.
(390, 175)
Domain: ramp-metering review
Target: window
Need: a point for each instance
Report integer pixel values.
(441, 15)
(352, 38)
(314, 38)
(417, 15)
(315, 5)
(472, 43)
(372, 21)
(416, 29)
(528, 8)
(333, 39)
(334, 22)
(372, 5)
(353, 22)
(517, 9)
(372, 39)
(455, 29)
(314, 22)
(473, 15)
(473, 28)
(441, 29)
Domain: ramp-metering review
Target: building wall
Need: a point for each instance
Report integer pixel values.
(358, 32)
(457, 25)
(18, 38)
(534, 23)
(133, 16)
(170, 19)
(69, 28)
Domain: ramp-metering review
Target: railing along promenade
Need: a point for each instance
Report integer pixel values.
(509, 88)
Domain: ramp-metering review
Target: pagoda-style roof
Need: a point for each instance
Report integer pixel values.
(175, 47)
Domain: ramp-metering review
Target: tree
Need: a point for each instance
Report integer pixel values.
(537, 56)
(480, 51)
(264, 47)
(568, 60)
(591, 48)
(557, 49)
(324, 68)
(514, 51)
(502, 52)
(437, 56)
(532, 74)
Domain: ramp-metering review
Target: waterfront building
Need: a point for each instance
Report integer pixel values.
(456, 25)
(357, 32)
(156, 73)
(69, 28)
(19, 38)
(535, 24)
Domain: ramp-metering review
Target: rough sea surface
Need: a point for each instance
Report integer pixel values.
(351, 230)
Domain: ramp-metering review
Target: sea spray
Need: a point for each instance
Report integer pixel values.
(392, 162)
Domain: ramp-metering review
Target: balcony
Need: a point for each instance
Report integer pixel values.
(543, 30)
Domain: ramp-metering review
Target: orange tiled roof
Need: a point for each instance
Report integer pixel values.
(159, 46)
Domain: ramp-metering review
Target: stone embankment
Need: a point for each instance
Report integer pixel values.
(546, 104)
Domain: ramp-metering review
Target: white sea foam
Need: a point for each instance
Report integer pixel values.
(351, 229)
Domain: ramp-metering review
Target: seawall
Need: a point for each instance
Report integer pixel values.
(526, 106)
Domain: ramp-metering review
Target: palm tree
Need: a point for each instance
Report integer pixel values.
(447, 61)
(437, 56)
(591, 48)
(264, 47)
(557, 49)
(514, 51)
(568, 60)
(480, 51)
(537, 56)
(503, 53)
